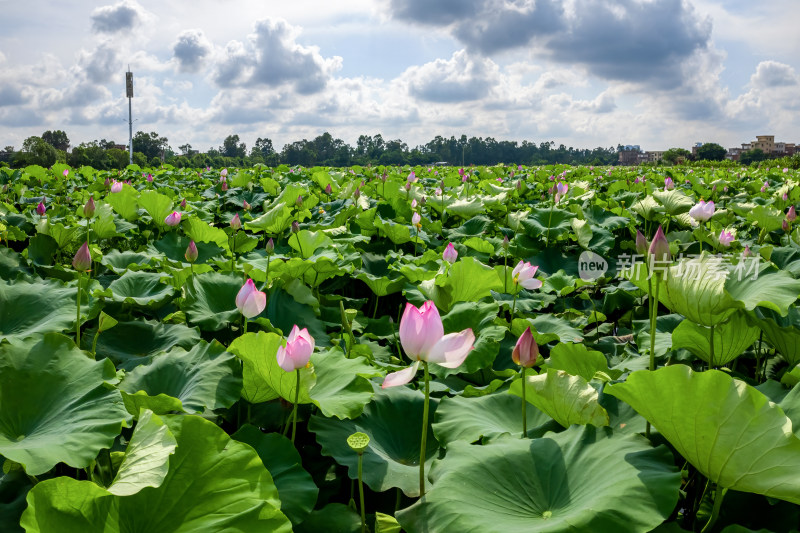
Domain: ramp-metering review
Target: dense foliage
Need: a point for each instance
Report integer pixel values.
(486, 349)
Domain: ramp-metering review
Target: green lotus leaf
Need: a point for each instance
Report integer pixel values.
(578, 360)
(210, 300)
(550, 223)
(766, 218)
(273, 222)
(342, 388)
(63, 235)
(468, 280)
(263, 378)
(397, 233)
(486, 418)
(125, 203)
(173, 245)
(119, 261)
(157, 206)
(479, 317)
(199, 231)
(28, 309)
(547, 328)
(12, 264)
(771, 288)
(583, 479)
(296, 488)
(143, 289)
(675, 202)
(146, 460)
(583, 232)
(647, 207)
(474, 227)
(57, 405)
(731, 339)
(728, 430)
(782, 332)
(465, 208)
(128, 343)
(240, 496)
(205, 377)
(566, 398)
(284, 311)
(333, 518)
(309, 241)
(393, 422)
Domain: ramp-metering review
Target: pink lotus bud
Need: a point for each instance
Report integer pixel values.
(224, 186)
(183, 203)
(41, 209)
(641, 243)
(785, 225)
(438, 191)
(250, 301)
(659, 248)
(412, 177)
(270, 247)
(150, 178)
(116, 186)
(328, 189)
(422, 201)
(505, 243)
(357, 193)
(464, 178)
(747, 252)
(106, 183)
(89, 208)
(295, 226)
(83, 259)
(726, 238)
(224, 172)
(791, 215)
(66, 172)
(414, 203)
(519, 185)
(173, 219)
(725, 189)
(408, 186)
(668, 184)
(246, 205)
(764, 187)
(450, 254)
(191, 252)
(298, 350)
(415, 220)
(526, 351)
(299, 201)
(383, 176)
(236, 222)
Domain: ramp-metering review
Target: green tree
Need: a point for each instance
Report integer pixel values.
(671, 156)
(150, 144)
(231, 147)
(57, 139)
(711, 152)
(36, 152)
(752, 156)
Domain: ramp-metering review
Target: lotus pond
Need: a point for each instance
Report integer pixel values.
(492, 349)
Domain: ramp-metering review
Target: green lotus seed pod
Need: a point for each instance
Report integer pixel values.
(358, 441)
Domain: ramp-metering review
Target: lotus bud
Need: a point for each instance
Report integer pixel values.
(450, 254)
(659, 248)
(173, 219)
(191, 252)
(526, 351)
(408, 187)
(299, 201)
(747, 252)
(791, 215)
(422, 201)
(224, 172)
(357, 193)
(83, 259)
(668, 184)
(41, 209)
(89, 208)
(383, 176)
(270, 247)
(641, 243)
(295, 226)
(519, 185)
(224, 186)
(414, 203)
(149, 178)
(116, 186)
(438, 191)
(416, 220)
(236, 222)
(764, 187)
(183, 203)
(785, 225)
(66, 172)
(505, 243)
(328, 189)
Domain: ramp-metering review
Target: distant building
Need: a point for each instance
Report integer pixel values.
(629, 155)
(765, 143)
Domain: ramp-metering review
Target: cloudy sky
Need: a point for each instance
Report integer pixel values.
(586, 73)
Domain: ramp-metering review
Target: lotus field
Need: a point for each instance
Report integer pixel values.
(491, 349)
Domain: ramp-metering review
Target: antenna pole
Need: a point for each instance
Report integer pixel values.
(129, 94)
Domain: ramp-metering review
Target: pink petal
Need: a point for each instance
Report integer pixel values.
(284, 361)
(401, 377)
(244, 292)
(255, 303)
(518, 268)
(420, 329)
(452, 349)
(299, 352)
(293, 334)
(531, 284)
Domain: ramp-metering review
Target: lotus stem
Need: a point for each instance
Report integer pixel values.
(524, 406)
(94, 342)
(361, 493)
(505, 272)
(514, 306)
(711, 349)
(549, 221)
(78, 318)
(244, 324)
(296, 399)
(653, 302)
(718, 497)
(423, 443)
(296, 236)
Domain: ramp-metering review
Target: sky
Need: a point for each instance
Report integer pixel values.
(583, 73)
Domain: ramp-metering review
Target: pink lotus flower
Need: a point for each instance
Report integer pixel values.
(461, 172)
(423, 339)
(414, 203)
(173, 219)
(191, 252)
(83, 259)
(668, 184)
(224, 186)
(415, 220)
(224, 172)
(250, 301)
(66, 172)
(726, 238)
(116, 186)
(702, 211)
(149, 178)
(298, 350)
(523, 274)
(764, 187)
(791, 215)
(412, 177)
(438, 191)
(561, 189)
(526, 351)
(450, 254)
(41, 209)
(236, 222)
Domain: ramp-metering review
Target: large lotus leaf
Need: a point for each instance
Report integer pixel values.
(146, 460)
(766, 218)
(473, 227)
(566, 398)
(486, 417)
(28, 309)
(333, 518)
(174, 245)
(782, 332)
(263, 378)
(550, 223)
(144, 289)
(397, 233)
(205, 377)
(675, 202)
(199, 231)
(393, 422)
(578, 360)
(468, 280)
(342, 388)
(57, 406)
(273, 222)
(465, 208)
(128, 343)
(63, 235)
(647, 207)
(731, 339)
(125, 203)
(479, 317)
(12, 264)
(583, 479)
(771, 288)
(211, 300)
(157, 206)
(296, 488)
(309, 241)
(728, 430)
(236, 493)
(547, 328)
(284, 311)
(119, 262)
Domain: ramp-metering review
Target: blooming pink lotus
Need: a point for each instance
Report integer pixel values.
(726, 238)
(298, 350)
(526, 351)
(450, 254)
(83, 259)
(116, 186)
(250, 301)
(423, 339)
(523, 274)
(561, 189)
(412, 177)
(173, 219)
(702, 211)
